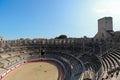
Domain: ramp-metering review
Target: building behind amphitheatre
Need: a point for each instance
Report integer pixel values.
(96, 58)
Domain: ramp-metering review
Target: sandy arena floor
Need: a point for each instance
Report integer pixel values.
(34, 71)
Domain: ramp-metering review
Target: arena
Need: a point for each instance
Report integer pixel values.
(85, 58)
(34, 71)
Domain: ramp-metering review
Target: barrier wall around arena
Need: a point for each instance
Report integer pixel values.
(4, 74)
(57, 64)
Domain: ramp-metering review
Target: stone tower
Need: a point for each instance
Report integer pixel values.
(105, 28)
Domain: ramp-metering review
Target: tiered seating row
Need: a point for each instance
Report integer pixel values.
(110, 63)
(8, 59)
(75, 66)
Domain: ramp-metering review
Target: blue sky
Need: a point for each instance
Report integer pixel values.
(51, 18)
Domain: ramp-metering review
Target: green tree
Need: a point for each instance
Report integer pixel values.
(61, 37)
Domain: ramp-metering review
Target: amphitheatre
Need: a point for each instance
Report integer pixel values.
(85, 58)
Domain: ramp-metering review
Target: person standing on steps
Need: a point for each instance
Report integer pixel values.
(43, 52)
